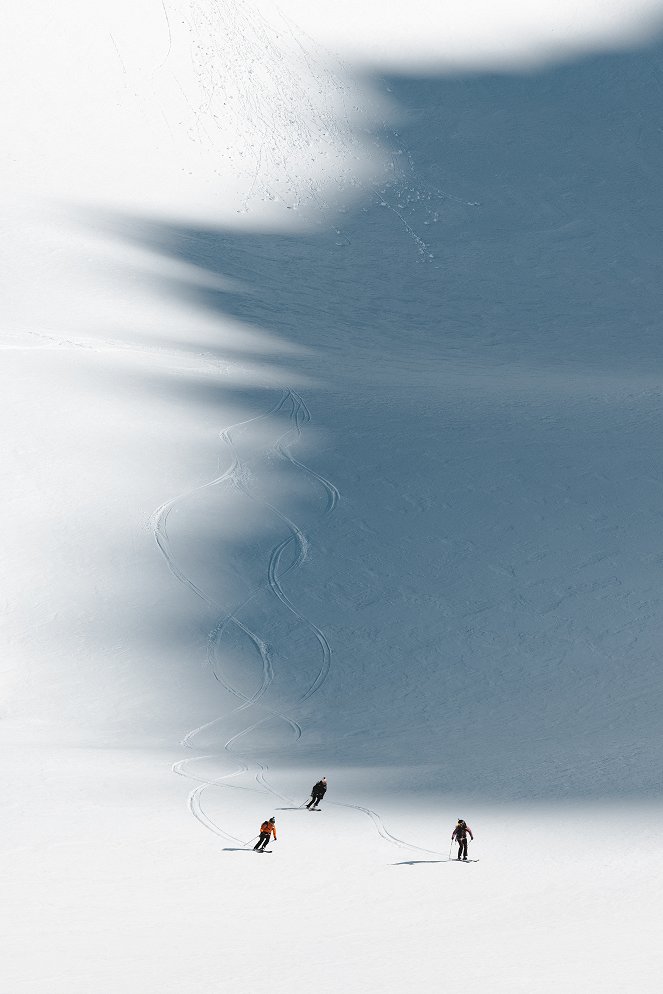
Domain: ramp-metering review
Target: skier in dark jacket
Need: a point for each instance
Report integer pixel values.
(460, 833)
(317, 793)
(266, 829)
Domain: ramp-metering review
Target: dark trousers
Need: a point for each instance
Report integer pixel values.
(315, 800)
(462, 847)
(262, 841)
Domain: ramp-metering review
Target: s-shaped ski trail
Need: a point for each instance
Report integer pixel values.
(298, 415)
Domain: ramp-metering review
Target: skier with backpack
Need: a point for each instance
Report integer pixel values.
(460, 833)
(266, 829)
(317, 793)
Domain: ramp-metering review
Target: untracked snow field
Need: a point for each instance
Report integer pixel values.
(331, 430)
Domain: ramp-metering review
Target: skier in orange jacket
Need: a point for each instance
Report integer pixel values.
(266, 829)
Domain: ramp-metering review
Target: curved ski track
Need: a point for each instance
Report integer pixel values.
(299, 415)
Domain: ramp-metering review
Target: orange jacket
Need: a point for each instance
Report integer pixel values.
(269, 827)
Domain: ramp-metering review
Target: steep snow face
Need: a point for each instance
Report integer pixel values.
(331, 415)
(395, 454)
(483, 367)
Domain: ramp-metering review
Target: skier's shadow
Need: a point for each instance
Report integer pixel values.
(237, 849)
(415, 862)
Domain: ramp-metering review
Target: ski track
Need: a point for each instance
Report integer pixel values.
(261, 779)
(299, 415)
(296, 536)
(53, 343)
(382, 830)
(194, 800)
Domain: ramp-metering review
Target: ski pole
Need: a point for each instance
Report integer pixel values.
(244, 844)
(450, 848)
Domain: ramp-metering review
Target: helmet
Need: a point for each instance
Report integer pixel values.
(272, 818)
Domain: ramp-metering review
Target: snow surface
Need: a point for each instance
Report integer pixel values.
(331, 429)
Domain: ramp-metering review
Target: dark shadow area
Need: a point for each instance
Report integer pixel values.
(539, 199)
(485, 340)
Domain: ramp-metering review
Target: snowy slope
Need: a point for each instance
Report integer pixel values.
(332, 407)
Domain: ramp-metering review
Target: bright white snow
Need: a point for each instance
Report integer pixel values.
(331, 380)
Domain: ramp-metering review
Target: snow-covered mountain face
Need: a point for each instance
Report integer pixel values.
(475, 338)
(331, 426)
(457, 325)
